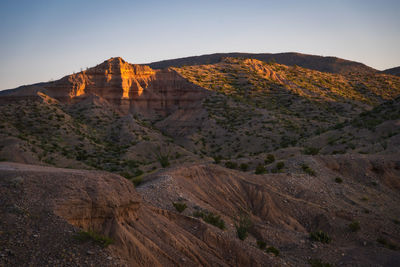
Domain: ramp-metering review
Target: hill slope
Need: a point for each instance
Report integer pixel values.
(392, 71)
(325, 64)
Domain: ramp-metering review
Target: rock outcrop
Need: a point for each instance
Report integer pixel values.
(129, 87)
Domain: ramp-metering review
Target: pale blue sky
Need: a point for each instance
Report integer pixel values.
(43, 40)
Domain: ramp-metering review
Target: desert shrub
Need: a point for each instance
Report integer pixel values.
(164, 160)
(338, 180)
(311, 151)
(280, 165)
(179, 206)
(243, 227)
(318, 263)
(217, 159)
(269, 159)
(162, 157)
(307, 169)
(231, 165)
(260, 169)
(273, 250)
(354, 226)
(320, 237)
(244, 167)
(210, 218)
(138, 172)
(84, 236)
(261, 244)
(387, 244)
(127, 175)
(137, 181)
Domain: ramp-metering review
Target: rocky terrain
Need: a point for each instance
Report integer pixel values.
(219, 160)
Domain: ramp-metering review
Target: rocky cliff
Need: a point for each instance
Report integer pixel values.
(128, 87)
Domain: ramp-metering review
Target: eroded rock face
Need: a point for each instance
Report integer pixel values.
(129, 87)
(108, 204)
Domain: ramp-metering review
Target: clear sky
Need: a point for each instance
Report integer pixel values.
(42, 40)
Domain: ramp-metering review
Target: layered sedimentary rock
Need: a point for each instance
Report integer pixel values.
(129, 87)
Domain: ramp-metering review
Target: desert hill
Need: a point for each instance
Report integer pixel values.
(237, 161)
(392, 71)
(320, 63)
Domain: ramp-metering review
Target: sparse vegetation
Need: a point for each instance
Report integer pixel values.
(231, 165)
(244, 167)
(307, 169)
(137, 181)
(280, 165)
(179, 206)
(261, 244)
(269, 159)
(311, 151)
(260, 169)
(320, 236)
(243, 226)
(354, 226)
(210, 218)
(84, 236)
(273, 250)
(386, 243)
(338, 180)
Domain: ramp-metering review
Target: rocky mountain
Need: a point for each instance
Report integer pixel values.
(237, 161)
(320, 63)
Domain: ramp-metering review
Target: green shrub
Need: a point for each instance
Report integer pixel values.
(137, 181)
(231, 165)
(179, 206)
(320, 237)
(311, 151)
(354, 226)
(273, 250)
(387, 244)
(127, 175)
(210, 218)
(243, 227)
(269, 159)
(164, 160)
(307, 169)
(244, 167)
(217, 159)
(338, 180)
(261, 244)
(84, 236)
(280, 165)
(162, 157)
(260, 169)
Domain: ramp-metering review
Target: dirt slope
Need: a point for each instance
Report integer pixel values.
(50, 204)
(284, 208)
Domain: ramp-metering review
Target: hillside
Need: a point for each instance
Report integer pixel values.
(237, 162)
(320, 63)
(392, 71)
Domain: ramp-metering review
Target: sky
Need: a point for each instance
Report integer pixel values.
(43, 40)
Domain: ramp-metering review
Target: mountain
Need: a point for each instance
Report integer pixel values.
(392, 71)
(320, 63)
(238, 162)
